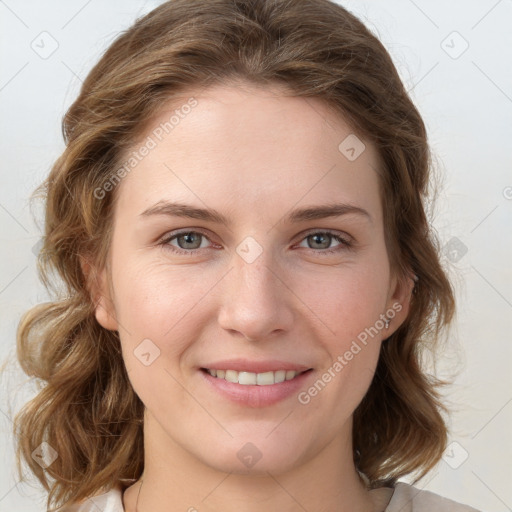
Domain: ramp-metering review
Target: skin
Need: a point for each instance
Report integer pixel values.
(252, 154)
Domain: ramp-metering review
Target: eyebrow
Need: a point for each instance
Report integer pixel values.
(298, 215)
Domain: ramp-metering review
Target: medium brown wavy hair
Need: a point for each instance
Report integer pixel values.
(86, 408)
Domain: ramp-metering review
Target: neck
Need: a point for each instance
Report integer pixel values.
(174, 479)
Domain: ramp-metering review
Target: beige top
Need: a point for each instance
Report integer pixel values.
(405, 498)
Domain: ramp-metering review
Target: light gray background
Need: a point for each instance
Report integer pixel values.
(466, 101)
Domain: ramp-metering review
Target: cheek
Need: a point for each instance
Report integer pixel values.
(349, 304)
(143, 302)
(160, 303)
(156, 312)
(347, 300)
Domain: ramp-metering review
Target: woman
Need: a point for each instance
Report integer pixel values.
(239, 219)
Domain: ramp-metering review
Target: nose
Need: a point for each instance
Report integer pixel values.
(256, 303)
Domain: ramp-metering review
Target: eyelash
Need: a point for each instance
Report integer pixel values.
(345, 242)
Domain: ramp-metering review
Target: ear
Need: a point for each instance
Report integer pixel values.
(99, 292)
(399, 301)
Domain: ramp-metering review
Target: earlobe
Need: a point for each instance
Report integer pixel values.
(104, 313)
(399, 301)
(99, 295)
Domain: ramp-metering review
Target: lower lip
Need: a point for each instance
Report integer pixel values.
(256, 396)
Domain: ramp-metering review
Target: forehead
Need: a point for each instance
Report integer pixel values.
(237, 112)
(244, 144)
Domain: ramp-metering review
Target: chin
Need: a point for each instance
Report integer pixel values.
(258, 456)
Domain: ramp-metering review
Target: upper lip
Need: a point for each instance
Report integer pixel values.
(245, 365)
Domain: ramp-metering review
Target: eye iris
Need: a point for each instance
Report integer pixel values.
(325, 236)
(187, 237)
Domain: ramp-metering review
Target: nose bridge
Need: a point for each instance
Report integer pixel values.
(255, 280)
(254, 301)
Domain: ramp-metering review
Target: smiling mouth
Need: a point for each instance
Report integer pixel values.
(251, 379)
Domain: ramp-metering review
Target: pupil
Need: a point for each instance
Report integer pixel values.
(319, 237)
(188, 237)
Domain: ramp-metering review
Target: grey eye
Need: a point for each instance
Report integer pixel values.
(191, 240)
(318, 237)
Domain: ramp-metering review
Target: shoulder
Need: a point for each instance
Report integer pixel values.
(407, 498)
(110, 501)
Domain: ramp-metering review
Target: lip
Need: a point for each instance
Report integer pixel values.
(256, 396)
(244, 365)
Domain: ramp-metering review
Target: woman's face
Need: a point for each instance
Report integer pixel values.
(270, 287)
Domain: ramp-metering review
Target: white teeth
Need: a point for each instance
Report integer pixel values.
(279, 376)
(231, 376)
(249, 378)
